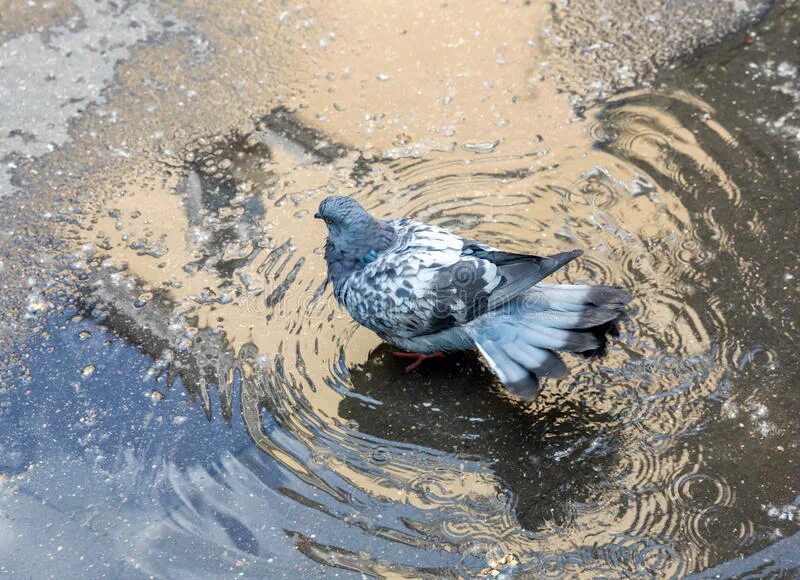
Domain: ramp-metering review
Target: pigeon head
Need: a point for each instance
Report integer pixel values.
(355, 238)
(348, 223)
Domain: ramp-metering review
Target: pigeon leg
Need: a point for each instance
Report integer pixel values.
(420, 358)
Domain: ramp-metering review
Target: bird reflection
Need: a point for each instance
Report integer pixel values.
(551, 454)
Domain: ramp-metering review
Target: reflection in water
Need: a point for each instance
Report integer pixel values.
(253, 430)
(524, 447)
(604, 473)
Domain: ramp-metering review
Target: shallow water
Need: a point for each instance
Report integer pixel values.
(203, 407)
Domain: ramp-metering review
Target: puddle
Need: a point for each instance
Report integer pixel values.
(203, 407)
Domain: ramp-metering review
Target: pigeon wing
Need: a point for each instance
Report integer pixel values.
(484, 279)
(432, 280)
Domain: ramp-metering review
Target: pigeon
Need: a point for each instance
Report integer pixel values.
(426, 291)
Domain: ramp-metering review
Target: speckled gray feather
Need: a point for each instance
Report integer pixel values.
(423, 288)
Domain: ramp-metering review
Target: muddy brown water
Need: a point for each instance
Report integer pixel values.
(276, 437)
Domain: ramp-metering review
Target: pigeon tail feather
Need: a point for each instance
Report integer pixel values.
(519, 341)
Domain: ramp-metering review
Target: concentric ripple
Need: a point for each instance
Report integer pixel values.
(595, 477)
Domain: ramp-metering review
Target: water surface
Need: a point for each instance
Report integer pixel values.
(203, 407)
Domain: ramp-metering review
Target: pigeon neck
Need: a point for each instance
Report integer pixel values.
(378, 239)
(359, 251)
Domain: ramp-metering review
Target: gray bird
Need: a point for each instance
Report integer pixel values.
(427, 291)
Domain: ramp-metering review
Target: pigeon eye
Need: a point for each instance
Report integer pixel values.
(328, 220)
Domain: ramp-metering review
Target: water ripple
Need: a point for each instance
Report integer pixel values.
(441, 460)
